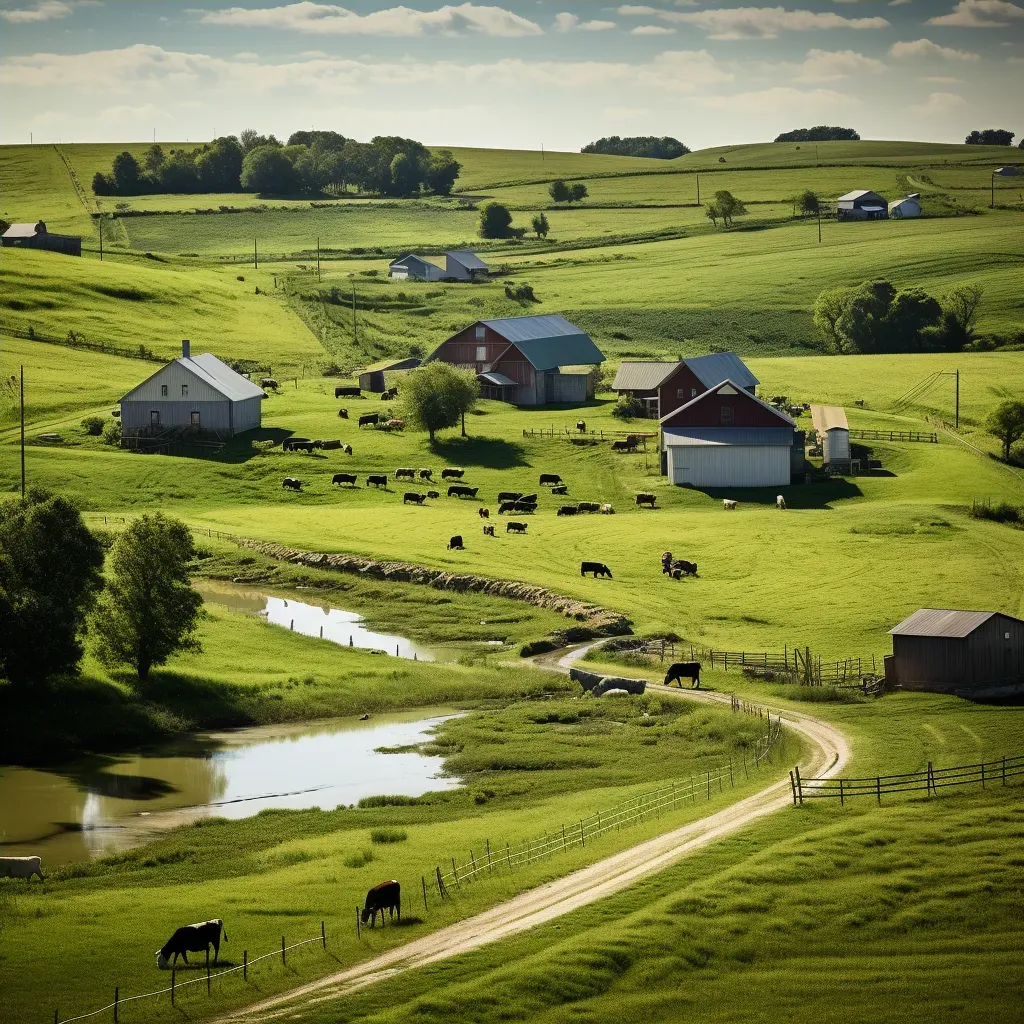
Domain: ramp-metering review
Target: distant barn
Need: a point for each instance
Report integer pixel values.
(906, 208)
(459, 265)
(862, 205)
(373, 378)
(978, 654)
(35, 236)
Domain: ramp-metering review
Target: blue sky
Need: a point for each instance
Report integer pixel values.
(510, 74)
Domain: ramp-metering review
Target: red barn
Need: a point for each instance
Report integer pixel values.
(520, 359)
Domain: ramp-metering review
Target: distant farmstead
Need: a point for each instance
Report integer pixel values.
(35, 236)
(190, 394)
(862, 205)
(906, 208)
(525, 360)
(459, 265)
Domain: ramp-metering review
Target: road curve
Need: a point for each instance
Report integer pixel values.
(829, 753)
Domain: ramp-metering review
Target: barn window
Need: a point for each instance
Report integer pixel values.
(184, 391)
(195, 419)
(727, 414)
(681, 394)
(693, 392)
(481, 353)
(1006, 636)
(481, 332)
(163, 390)
(154, 418)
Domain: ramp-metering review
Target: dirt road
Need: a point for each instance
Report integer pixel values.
(829, 754)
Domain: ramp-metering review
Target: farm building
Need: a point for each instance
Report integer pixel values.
(834, 434)
(861, 205)
(665, 386)
(459, 265)
(978, 654)
(523, 359)
(465, 266)
(35, 236)
(373, 377)
(414, 268)
(728, 437)
(193, 393)
(905, 208)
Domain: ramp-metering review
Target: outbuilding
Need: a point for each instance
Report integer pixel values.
(969, 653)
(411, 267)
(193, 393)
(374, 379)
(35, 236)
(906, 208)
(834, 433)
(460, 265)
(862, 205)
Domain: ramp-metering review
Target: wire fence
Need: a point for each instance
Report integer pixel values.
(931, 780)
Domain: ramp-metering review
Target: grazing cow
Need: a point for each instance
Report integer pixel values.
(385, 896)
(344, 478)
(666, 561)
(683, 670)
(460, 491)
(408, 474)
(509, 496)
(369, 419)
(528, 507)
(290, 481)
(859, 402)
(530, 499)
(567, 510)
(304, 446)
(506, 506)
(348, 391)
(620, 446)
(484, 513)
(395, 424)
(728, 504)
(452, 474)
(193, 938)
(779, 400)
(330, 446)
(427, 474)
(290, 442)
(646, 499)
(685, 567)
(347, 449)
(269, 382)
(433, 494)
(607, 510)
(581, 426)
(21, 867)
(377, 481)
(343, 413)
(416, 499)
(488, 531)
(780, 502)
(619, 685)
(549, 478)
(455, 544)
(597, 568)
(560, 489)
(589, 506)
(515, 527)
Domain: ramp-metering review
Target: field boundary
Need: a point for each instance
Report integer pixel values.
(31, 334)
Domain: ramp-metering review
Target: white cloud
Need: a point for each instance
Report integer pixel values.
(48, 10)
(314, 53)
(980, 14)
(767, 22)
(940, 80)
(637, 9)
(784, 100)
(832, 65)
(572, 23)
(926, 48)
(940, 103)
(392, 21)
(246, 55)
(652, 30)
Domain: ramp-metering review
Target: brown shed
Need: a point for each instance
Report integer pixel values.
(977, 654)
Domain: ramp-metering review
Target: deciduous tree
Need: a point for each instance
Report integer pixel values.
(437, 396)
(540, 225)
(559, 191)
(1006, 422)
(495, 221)
(268, 169)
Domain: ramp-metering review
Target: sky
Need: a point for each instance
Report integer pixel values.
(508, 75)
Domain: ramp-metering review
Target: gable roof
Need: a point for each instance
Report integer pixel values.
(469, 260)
(642, 376)
(738, 390)
(547, 341)
(25, 230)
(828, 417)
(412, 256)
(943, 622)
(860, 193)
(208, 368)
(711, 370)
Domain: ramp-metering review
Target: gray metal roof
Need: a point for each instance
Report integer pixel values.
(860, 193)
(498, 379)
(717, 367)
(715, 437)
(220, 376)
(469, 260)
(943, 622)
(23, 230)
(403, 260)
(642, 376)
(548, 341)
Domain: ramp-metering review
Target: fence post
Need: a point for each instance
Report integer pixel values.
(424, 881)
(488, 856)
(709, 785)
(508, 855)
(878, 789)
(455, 873)
(563, 840)
(799, 786)
(842, 799)
(982, 774)
(792, 783)
(1004, 769)
(731, 780)
(245, 965)
(583, 841)
(117, 999)
(931, 780)
(357, 922)
(323, 935)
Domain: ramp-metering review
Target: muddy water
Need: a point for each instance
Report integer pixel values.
(103, 805)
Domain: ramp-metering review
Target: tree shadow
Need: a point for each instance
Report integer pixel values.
(485, 453)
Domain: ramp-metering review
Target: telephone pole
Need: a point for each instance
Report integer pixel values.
(255, 256)
(23, 432)
(318, 258)
(698, 190)
(101, 237)
(355, 323)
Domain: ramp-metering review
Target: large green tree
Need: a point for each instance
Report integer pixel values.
(149, 609)
(50, 573)
(268, 169)
(1006, 422)
(442, 171)
(495, 221)
(437, 396)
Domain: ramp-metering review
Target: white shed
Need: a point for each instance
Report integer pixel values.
(465, 266)
(905, 208)
(729, 457)
(411, 267)
(833, 431)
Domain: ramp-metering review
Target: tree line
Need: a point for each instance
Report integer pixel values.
(665, 148)
(310, 162)
(992, 137)
(822, 133)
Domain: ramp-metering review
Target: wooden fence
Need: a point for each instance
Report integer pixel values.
(929, 781)
(571, 434)
(31, 334)
(894, 435)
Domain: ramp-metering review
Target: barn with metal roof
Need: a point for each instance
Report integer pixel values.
(862, 205)
(970, 653)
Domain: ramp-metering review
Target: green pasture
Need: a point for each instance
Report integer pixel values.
(35, 185)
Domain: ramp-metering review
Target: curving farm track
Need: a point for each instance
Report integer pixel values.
(564, 895)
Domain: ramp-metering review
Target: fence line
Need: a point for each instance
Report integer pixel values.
(930, 780)
(894, 435)
(31, 334)
(571, 433)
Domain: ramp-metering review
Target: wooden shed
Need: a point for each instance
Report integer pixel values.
(976, 654)
(373, 378)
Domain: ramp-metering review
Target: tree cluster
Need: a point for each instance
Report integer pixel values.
(822, 133)
(665, 148)
(877, 317)
(991, 137)
(311, 163)
(437, 396)
(723, 208)
(574, 192)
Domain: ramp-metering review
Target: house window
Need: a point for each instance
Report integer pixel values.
(163, 390)
(154, 418)
(195, 419)
(184, 391)
(481, 353)
(726, 414)
(481, 332)
(681, 394)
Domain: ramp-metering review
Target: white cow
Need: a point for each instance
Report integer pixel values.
(780, 501)
(21, 867)
(728, 504)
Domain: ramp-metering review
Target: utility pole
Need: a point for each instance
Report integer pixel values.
(100, 221)
(542, 152)
(355, 323)
(318, 258)
(819, 225)
(957, 414)
(255, 256)
(698, 190)
(23, 432)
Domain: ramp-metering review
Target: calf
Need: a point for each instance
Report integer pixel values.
(416, 499)
(433, 494)
(509, 496)
(780, 501)
(408, 474)
(459, 491)
(589, 506)
(561, 489)
(550, 478)
(581, 426)
(683, 670)
(484, 513)
(369, 419)
(452, 474)
(646, 499)
(384, 896)
(455, 544)
(21, 867)
(607, 510)
(488, 531)
(193, 938)
(343, 413)
(515, 527)
(728, 504)
(597, 568)
(348, 391)
(427, 474)
(292, 483)
(269, 382)
(344, 478)
(377, 481)
(567, 510)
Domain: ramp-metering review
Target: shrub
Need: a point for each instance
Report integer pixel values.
(1003, 512)
(628, 407)
(388, 801)
(388, 835)
(93, 425)
(359, 859)
(520, 292)
(112, 433)
(528, 650)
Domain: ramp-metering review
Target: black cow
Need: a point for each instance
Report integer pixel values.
(343, 413)
(269, 382)
(427, 474)
(347, 449)
(459, 491)
(509, 496)
(597, 568)
(452, 474)
(589, 506)
(347, 391)
(290, 442)
(646, 499)
(561, 489)
(290, 481)
(377, 481)
(581, 426)
(369, 419)
(621, 446)
(488, 531)
(526, 507)
(409, 474)
(515, 528)
(567, 510)
(344, 478)
(550, 478)
(666, 561)
(193, 938)
(684, 670)
(455, 544)
(303, 446)
(685, 567)
(530, 499)
(416, 499)
(384, 896)
(506, 506)
(433, 494)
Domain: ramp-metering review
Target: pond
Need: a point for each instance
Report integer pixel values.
(102, 805)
